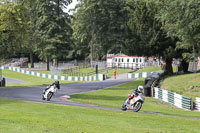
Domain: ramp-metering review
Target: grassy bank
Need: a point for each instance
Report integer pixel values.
(149, 69)
(183, 84)
(115, 96)
(23, 117)
(29, 79)
(152, 69)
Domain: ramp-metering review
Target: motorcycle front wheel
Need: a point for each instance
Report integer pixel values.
(124, 107)
(49, 95)
(137, 106)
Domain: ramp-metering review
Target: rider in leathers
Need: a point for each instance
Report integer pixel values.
(56, 83)
(136, 92)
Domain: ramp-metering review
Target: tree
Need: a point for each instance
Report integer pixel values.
(29, 48)
(13, 29)
(53, 30)
(150, 38)
(99, 28)
(181, 19)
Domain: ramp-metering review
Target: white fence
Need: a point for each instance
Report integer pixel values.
(197, 104)
(57, 77)
(173, 98)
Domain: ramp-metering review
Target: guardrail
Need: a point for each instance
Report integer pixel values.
(56, 77)
(173, 98)
(197, 104)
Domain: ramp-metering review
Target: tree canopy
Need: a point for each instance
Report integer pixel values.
(164, 29)
(181, 19)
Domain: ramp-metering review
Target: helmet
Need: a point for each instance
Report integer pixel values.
(56, 82)
(140, 88)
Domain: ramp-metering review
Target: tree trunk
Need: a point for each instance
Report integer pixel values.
(168, 68)
(185, 66)
(47, 63)
(92, 45)
(31, 59)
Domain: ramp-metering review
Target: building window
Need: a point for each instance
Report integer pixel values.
(122, 59)
(136, 60)
(119, 60)
(128, 60)
(140, 60)
(116, 60)
(133, 59)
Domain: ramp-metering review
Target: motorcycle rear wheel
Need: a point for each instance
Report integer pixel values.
(137, 106)
(43, 98)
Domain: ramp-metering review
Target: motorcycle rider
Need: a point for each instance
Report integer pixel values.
(136, 92)
(56, 83)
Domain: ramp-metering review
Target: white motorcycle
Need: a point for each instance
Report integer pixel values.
(135, 103)
(49, 92)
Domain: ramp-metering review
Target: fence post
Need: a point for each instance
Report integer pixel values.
(192, 104)
(96, 69)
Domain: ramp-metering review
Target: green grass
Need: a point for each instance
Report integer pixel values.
(149, 69)
(118, 71)
(115, 96)
(43, 71)
(31, 117)
(31, 80)
(22, 117)
(182, 83)
(152, 69)
(88, 70)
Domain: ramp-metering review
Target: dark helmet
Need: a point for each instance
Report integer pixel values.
(56, 82)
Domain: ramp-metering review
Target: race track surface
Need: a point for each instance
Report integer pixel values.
(35, 93)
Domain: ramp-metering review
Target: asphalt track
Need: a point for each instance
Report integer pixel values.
(35, 93)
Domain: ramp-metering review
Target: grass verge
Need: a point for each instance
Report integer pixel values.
(115, 96)
(88, 70)
(29, 79)
(22, 117)
(182, 84)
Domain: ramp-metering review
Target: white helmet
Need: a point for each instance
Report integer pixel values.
(140, 88)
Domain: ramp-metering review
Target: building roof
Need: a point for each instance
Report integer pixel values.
(120, 54)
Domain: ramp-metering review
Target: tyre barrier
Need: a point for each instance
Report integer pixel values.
(177, 100)
(56, 77)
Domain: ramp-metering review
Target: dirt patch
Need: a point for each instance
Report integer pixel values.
(193, 88)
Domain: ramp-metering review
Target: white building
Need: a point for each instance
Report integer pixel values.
(124, 61)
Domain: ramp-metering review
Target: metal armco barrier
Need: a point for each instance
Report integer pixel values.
(173, 98)
(56, 77)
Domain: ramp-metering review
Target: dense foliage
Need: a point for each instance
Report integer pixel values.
(165, 29)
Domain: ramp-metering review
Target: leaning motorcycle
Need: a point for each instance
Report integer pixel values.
(49, 92)
(135, 103)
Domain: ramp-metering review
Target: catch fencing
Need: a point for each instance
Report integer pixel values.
(56, 77)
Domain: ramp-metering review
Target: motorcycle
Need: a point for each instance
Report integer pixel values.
(49, 92)
(135, 103)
